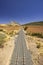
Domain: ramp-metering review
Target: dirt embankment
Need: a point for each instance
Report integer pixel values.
(6, 52)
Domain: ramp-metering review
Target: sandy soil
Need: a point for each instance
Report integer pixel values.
(6, 52)
(35, 52)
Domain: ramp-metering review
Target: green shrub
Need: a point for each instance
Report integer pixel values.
(1, 29)
(28, 33)
(11, 33)
(38, 45)
(2, 43)
(37, 34)
(25, 28)
(2, 37)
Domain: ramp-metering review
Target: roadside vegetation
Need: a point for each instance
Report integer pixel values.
(25, 28)
(5, 36)
(11, 33)
(2, 40)
(1, 30)
(38, 45)
(39, 35)
(34, 29)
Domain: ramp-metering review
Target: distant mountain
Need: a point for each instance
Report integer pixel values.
(35, 23)
(11, 23)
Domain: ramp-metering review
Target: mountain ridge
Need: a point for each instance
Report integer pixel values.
(35, 23)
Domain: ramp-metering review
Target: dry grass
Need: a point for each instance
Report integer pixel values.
(7, 31)
(10, 28)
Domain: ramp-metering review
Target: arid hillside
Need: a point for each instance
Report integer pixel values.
(10, 27)
(34, 34)
(7, 31)
(34, 27)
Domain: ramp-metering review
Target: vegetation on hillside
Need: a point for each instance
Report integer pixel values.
(11, 33)
(4, 36)
(31, 30)
(37, 34)
(34, 23)
(38, 45)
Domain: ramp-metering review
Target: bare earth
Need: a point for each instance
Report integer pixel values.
(6, 52)
(36, 56)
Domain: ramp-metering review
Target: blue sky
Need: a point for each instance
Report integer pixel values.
(22, 11)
